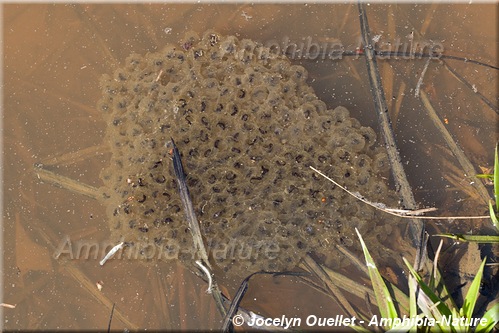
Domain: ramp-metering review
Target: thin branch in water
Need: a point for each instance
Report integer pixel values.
(110, 319)
(402, 185)
(461, 79)
(435, 261)
(405, 213)
(227, 325)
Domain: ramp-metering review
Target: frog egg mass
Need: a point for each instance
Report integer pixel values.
(248, 127)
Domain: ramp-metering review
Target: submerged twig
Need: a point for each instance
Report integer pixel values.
(227, 325)
(75, 272)
(401, 183)
(89, 285)
(65, 182)
(194, 227)
(404, 213)
(437, 256)
(80, 155)
(471, 87)
(234, 305)
(110, 319)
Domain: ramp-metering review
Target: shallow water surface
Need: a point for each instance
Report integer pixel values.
(54, 58)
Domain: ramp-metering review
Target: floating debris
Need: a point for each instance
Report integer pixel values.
(208, 275)
(99, 285)
(111, 253)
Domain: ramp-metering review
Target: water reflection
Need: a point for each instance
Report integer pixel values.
(54, 56)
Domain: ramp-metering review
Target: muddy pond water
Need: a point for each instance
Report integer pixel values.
(54, 58)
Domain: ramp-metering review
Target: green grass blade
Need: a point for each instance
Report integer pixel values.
(496, 176)
(485, 176)
(493, 215)
(430, 311)
(413, 307)
(458, 327)
(471, 238)
(441, 289)
(383, 297)
(442, 308)
(473, 292)
(491, 319)
(408, 327)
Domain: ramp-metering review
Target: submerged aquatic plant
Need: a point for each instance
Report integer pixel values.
(494, 213)
(493, 209)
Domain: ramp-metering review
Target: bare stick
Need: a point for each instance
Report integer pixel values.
(402, 185)
(110, 319)
(404, 213)
(435, 261)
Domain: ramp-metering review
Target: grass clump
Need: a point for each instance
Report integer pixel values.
(431, 309)
(428, 310)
